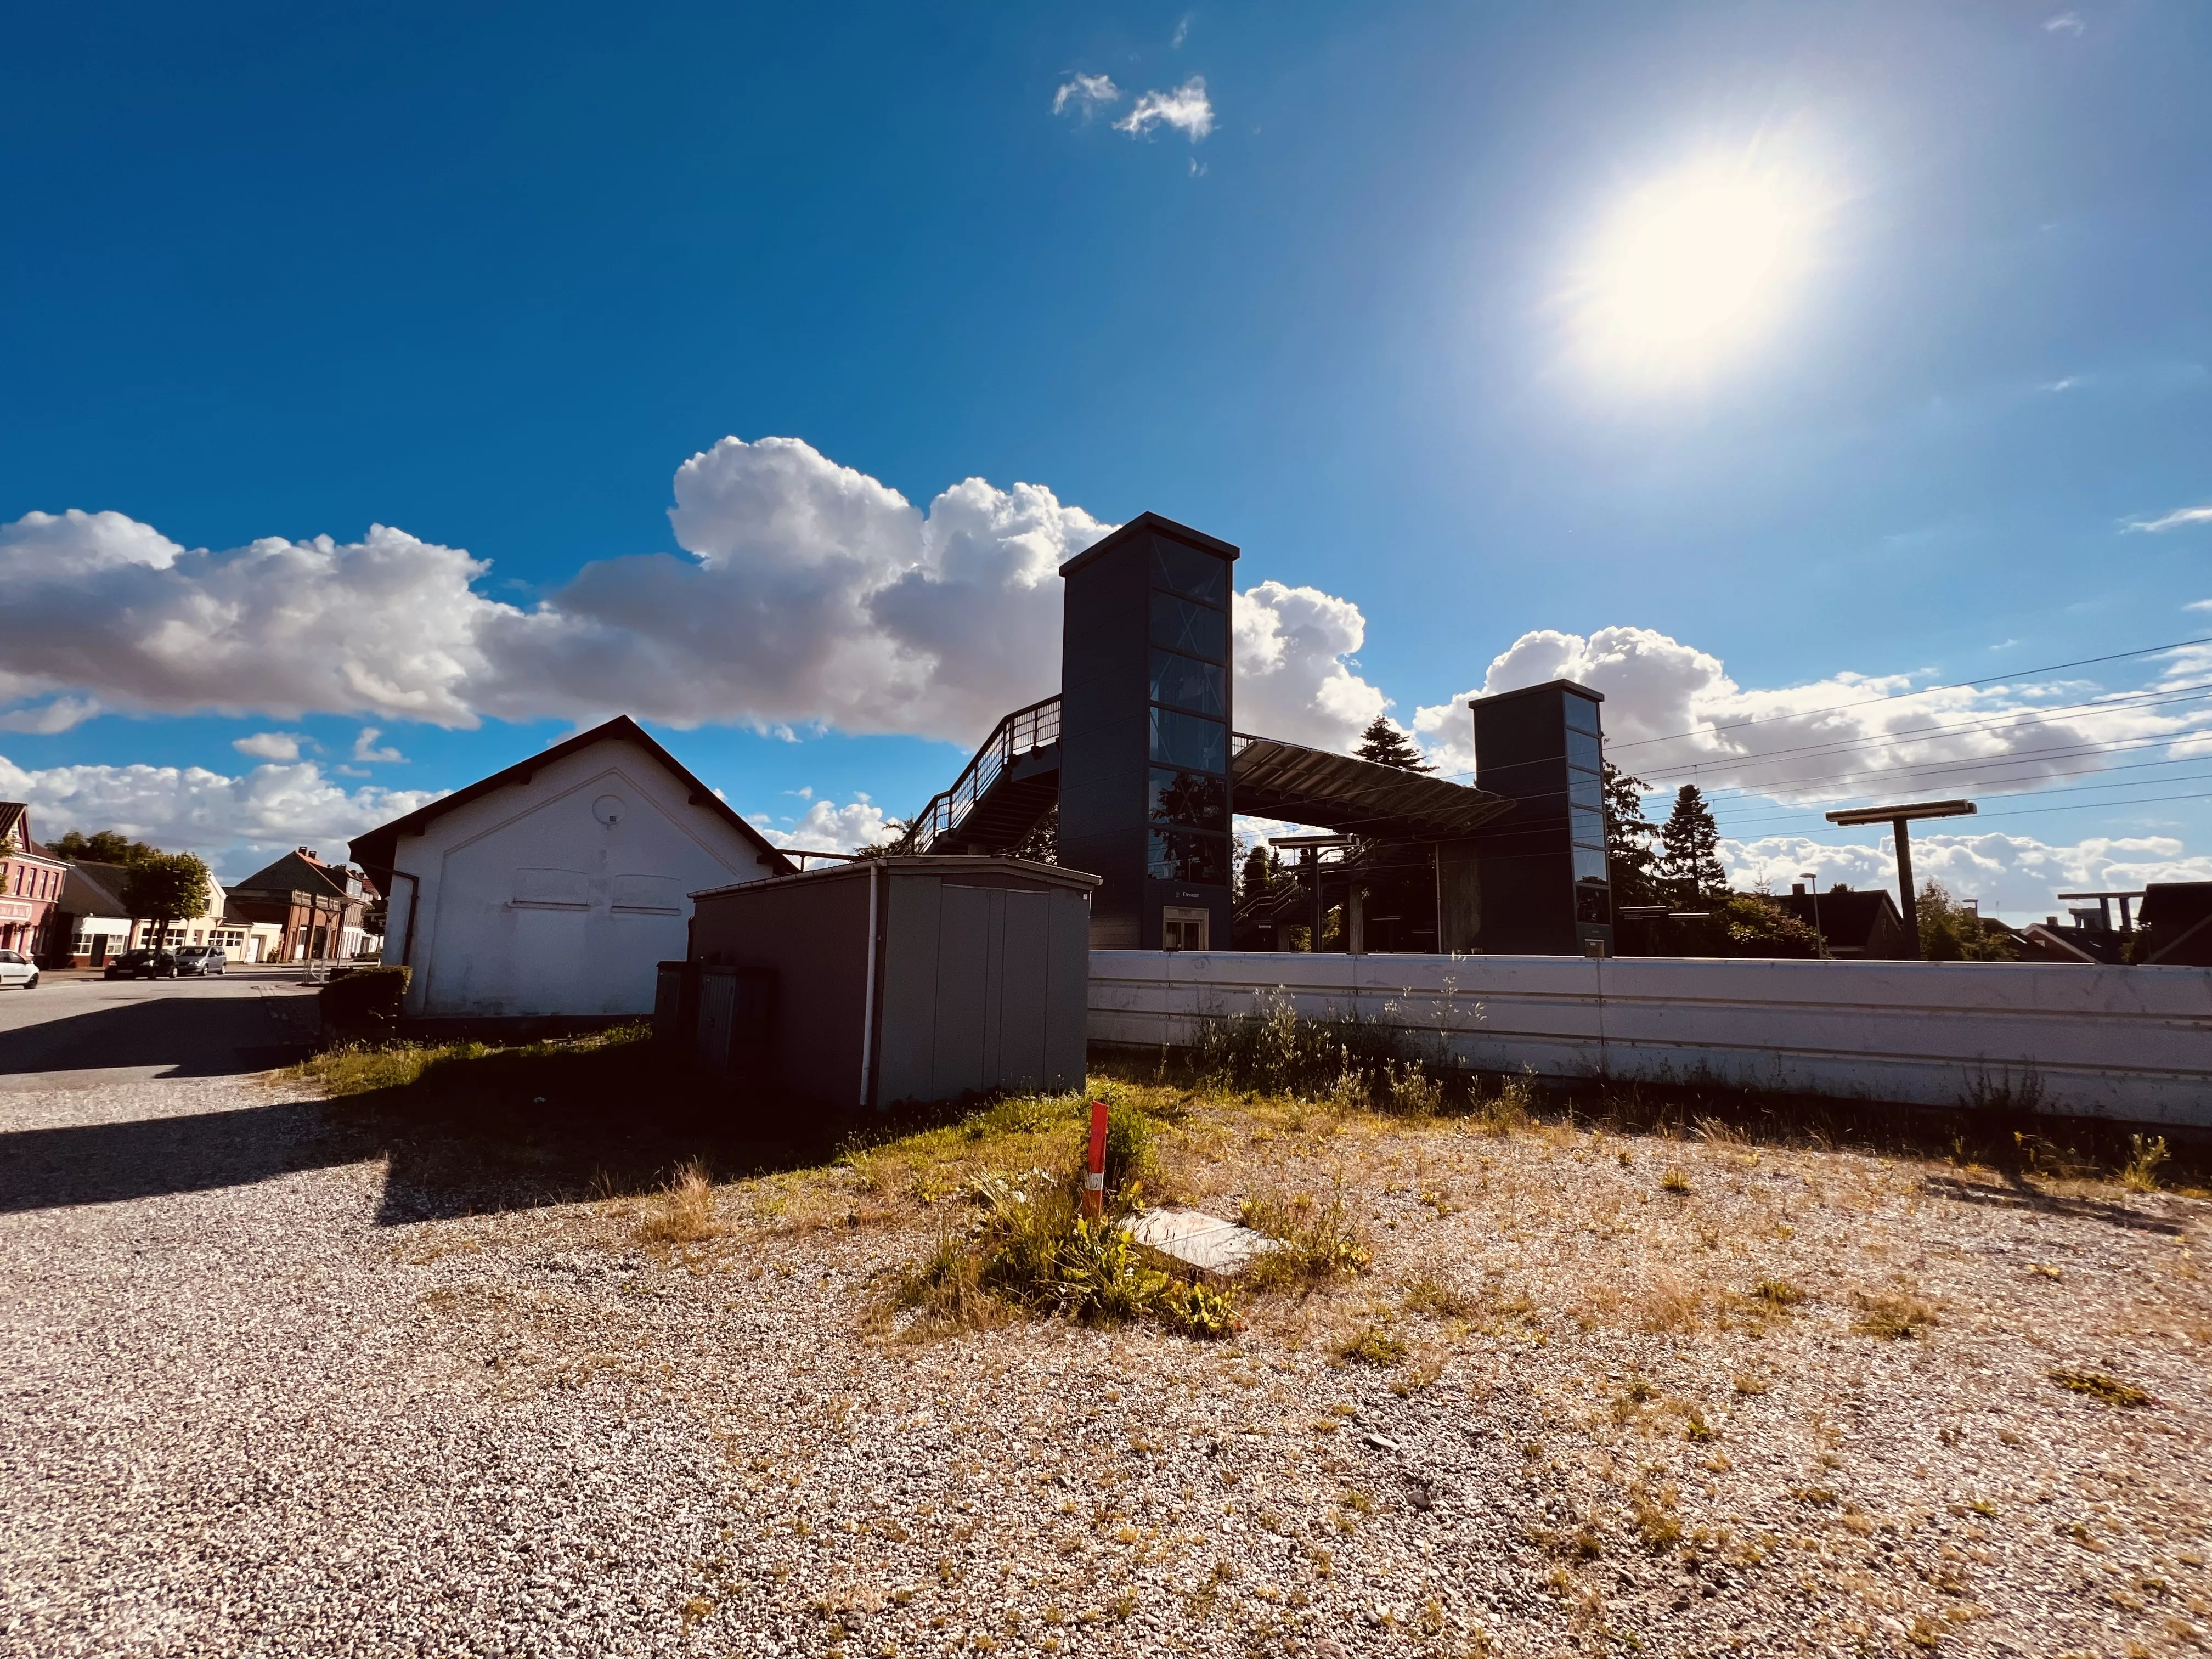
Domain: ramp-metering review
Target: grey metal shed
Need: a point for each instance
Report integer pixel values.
(913, 979)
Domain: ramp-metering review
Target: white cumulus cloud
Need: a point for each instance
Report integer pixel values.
(1187, 109)
(1294, 674)
(2015, 874)
(1674, 715)
(1086, 95)
(46, 719)
(807, 594)
(826, 827)
(237, 823)
(269, 745)
(365, 750)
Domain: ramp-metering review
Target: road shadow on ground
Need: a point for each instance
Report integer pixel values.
(78, 1163)
(173, 1034)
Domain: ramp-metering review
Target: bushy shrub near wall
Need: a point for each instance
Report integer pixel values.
(363, 1005)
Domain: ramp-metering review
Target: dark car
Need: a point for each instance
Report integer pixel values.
(142, 964)
(201, 959)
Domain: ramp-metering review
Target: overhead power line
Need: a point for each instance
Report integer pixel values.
(2026, 794)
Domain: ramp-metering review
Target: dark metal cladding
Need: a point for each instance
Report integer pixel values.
(1541, 886)
(1147, 704)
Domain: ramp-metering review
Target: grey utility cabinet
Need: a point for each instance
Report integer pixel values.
(912, 979)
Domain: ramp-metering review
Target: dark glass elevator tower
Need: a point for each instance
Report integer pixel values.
(1542, 875)
(1146, 704)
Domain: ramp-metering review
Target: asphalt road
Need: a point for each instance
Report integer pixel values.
(83, 1033)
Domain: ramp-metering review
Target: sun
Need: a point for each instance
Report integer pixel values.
(1693, 267)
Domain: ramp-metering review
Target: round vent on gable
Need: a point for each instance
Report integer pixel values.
(609, 810)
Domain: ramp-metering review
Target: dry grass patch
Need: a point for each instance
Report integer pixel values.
(2146, 1155)
(1316, 1241)
(1893, 1316)
(1432, 1298)
(2098, 1386)
(1372, 1345)
(684, 1211)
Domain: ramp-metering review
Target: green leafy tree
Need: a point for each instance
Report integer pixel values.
(168, 887)
(103, 846)
(1385, 745)
(1629, 858)
(1951, 931)
(1690, 849)
(1753, 924)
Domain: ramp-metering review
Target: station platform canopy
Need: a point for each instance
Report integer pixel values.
(1288, 780)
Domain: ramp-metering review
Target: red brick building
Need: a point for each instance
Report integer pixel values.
(31, 882)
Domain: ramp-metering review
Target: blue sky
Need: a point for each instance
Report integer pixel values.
(491, 277)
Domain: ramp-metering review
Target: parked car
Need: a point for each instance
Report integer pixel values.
(142, 964)
(201, 959)
(16, 969)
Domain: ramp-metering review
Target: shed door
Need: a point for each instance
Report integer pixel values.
(968, 991)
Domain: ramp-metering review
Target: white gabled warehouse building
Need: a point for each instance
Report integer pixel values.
(550, 890)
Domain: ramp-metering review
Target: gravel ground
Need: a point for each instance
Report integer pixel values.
(248, 1412)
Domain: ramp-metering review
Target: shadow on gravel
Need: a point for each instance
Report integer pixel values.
(183, 1036)
(2019, 1195)
(151, 1157)
(507, 1133)
(551, 1124)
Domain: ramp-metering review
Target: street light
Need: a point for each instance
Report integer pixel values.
(1897, 817)
(1812, 880)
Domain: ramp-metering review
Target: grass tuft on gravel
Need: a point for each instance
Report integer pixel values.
(1893, 1316)
(2098, 1386)
(356, 1069)
(684, 1212)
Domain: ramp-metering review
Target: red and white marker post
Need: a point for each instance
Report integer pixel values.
(1094, 1182)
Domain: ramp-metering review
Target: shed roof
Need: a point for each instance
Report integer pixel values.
(376, 851)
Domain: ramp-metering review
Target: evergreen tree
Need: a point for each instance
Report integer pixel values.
(1263, 868)
(1689, 850)
(1385, 745)
(1629, 858)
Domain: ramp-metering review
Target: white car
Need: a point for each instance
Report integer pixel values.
(16, 969)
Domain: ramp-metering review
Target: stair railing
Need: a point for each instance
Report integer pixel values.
(1026, 729)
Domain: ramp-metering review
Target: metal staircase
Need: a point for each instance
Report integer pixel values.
(999, 796)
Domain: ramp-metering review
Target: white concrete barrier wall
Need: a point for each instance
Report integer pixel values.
(2121, 1043)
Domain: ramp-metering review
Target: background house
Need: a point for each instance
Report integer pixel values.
(551, 888)
(315, 910)
(31, 881)
(1856, 923)
(92, 923)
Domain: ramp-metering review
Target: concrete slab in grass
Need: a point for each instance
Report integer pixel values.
(1191, 1242)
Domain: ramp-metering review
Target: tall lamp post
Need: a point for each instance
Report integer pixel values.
(1897, 817)
(1813, 886)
